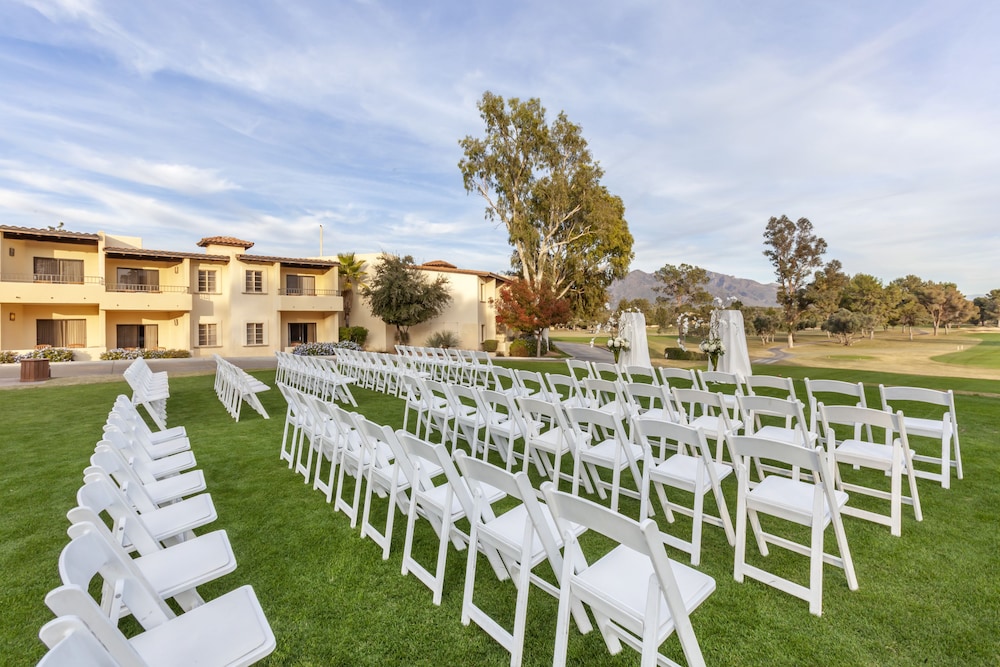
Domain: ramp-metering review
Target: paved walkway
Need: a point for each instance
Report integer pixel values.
(71, 372)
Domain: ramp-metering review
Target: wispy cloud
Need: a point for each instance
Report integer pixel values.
(267, 120)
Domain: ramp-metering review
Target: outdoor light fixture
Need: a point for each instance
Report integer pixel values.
(10, 251)
(11, 317)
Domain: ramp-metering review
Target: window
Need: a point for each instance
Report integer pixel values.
(301, 332)
(138, 280)
(300, 285)
(206, 282)
(208, 334)
(61, 333)
(146, 336)
(255, 282)
(52, 270)
(255, 333)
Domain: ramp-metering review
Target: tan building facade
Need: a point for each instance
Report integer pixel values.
(97, 292)
(470, 315)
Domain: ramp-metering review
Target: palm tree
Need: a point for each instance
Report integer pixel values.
(352, 276)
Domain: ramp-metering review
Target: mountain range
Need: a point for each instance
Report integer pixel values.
(639, 285)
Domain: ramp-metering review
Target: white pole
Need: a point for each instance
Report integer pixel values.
(321, 240)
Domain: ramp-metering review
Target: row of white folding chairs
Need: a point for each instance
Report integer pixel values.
(314, 375)
(932, 412)
(145, 553)
(234, 386)
(378, 371)
(149, 389)
(447, 364)
(423, 479)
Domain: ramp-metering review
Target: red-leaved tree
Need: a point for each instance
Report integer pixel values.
(531, 308)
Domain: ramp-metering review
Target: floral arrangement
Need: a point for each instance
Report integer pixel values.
(713, 346)
(616, 341)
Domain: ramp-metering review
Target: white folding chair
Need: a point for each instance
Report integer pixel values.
(942, 426)
(681, 378)
(566, 390)
(892, 456)
(168, 525)
(607, 396)
(173, 572)
(708, 412)
(230, 629)
(833, 392)
(729, 385)
(637, 594)
(691, 469)
(72, 644)
(504, 425)
(770, 385)
(815, 504)
(652, 401)
(641, 374)
(607, 370)
(161, 492)
(387, 476)
(547, 438)
(524, 536)
(601, 441)
(775, 419)
(441, 503)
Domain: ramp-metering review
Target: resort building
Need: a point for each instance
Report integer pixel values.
(471, 315)
(93, 292)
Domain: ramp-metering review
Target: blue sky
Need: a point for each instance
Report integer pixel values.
(264, 120)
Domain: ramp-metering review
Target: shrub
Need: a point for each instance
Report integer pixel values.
(490, 345)
(8, 357)
(324, 349)
(354, 335)
(677, 354)
(118, 353)
(520, 348)
(443, 339)
(50, 353)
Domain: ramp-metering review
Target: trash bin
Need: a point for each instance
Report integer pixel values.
(34, 370)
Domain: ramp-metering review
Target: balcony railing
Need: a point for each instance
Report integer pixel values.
(307, 291)
(150, 289)
(52, 278)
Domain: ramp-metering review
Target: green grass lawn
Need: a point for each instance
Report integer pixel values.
(986, 354)
(931, 596)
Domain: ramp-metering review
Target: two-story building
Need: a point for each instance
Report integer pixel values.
(94, 292)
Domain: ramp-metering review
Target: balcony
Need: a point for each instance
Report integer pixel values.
(130, 296)
(309, 299)
(49, 288)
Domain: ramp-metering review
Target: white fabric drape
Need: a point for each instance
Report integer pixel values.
(632, 327)
(737, 357)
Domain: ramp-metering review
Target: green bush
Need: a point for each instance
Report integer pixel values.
(677, 354)
(443, 339)
(118, 353)
(8, 357)
(354, 335)
(520, 348)
(490, 345)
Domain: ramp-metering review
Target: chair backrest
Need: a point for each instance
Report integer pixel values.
(682, 378)
(893, 396)
(643, 374)
(770, 385)
(602, 392)
(566, 387)
(650, 398)
(598, 423)
(89, 555)
(606, 370)
(99, 496)
(809, 459)
(72, 644)
(830, 392)
(579, 369)
(831, 416)
(693, 403)
(532, 382)
(720, 381)
(752, 408)
(657, 436)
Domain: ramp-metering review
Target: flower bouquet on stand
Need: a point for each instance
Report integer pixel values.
(616, 344)
(713, 347)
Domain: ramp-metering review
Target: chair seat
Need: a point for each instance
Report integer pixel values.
(604, 453)
(710, 425)
(621, 578)
(790, 499)
(508, 528)
(681, 470)
(932, 428)
(869, 454)
(188, 564)
(179, 486)
(180, 517)
(230, 630)
(782, 434)
(437, 495)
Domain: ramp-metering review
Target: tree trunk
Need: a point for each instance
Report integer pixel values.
(791, 340)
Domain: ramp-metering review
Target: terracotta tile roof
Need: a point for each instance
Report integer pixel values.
(128, 253)
(49, 233)
(225, 240)
(439, 264)
(289, 261)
